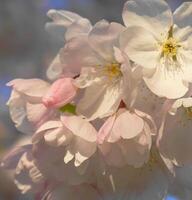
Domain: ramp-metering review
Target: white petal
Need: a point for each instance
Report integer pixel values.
(100, 100)
(185, 102)
(18, 113)
(45, 127)
(131, 79)
(167, 84)
(140, 46)
(63, 17)
(79, 159)
(183, 36)
(177, 104)
(83, 150)
(55, 69)
(88, 77)
(67, 23)
(153, 15)
(81, 26)
(68, 157)
(106, 130)
(51, 137)
(187, 70)
(80, 127)
(49, 125)
(183, 15)
(33, 89)
(103, 37)
(118, 54)
(37, 118)
(128, 125)
(78, 48)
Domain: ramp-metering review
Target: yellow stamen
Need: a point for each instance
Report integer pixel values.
(112, 70)
(170, 47)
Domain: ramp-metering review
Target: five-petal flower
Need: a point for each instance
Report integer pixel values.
(160, 42)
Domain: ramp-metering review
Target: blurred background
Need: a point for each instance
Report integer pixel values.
(26, 50)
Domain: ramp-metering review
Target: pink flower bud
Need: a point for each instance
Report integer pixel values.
(60, 93)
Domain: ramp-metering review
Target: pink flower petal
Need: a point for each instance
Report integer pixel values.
(80, 127)
(32, 89)
(61, 92)
(106, 129)
(128, 125)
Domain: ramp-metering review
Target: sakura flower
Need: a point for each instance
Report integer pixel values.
(71, 24)
(102, 70)
(160, 42)
(35, 101)
(28, 177)
(99, 68)
(40, 165)
(126, 138)
(66, 25)
(50, 161)
(100, 130)
(19, 159)
(25, 101)
(175, 138)
(77, 135)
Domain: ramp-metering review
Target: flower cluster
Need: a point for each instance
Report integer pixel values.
(114, 119)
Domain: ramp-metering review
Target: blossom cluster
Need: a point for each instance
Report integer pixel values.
(113, 121)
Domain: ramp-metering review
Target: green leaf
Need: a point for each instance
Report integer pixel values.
(69, 108)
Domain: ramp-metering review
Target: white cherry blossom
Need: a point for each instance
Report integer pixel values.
(160, 42)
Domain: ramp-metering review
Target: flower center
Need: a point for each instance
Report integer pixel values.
(112, 70)
(170, 46)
